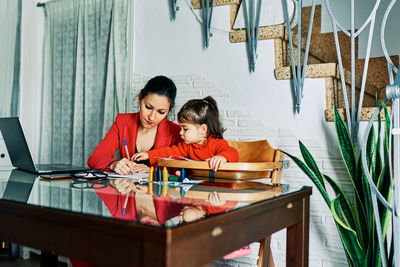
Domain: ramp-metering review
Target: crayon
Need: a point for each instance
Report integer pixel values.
(183, 174)
(155, 174)
(151, 172)
(159, 174)
(165, 174)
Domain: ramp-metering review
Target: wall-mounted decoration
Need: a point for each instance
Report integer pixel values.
(206, 14)
(173, 8)
(251, 12)
(353, 120)
(298, 73)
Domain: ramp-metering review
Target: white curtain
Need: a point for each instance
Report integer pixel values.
(10, 50)
(86, 75)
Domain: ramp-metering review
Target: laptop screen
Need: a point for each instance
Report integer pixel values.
(16, 144)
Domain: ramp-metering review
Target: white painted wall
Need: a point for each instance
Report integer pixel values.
(173, 48)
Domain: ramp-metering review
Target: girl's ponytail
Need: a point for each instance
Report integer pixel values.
(203, 111)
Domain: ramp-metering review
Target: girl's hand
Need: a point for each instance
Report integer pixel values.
(140, 156)
(216, 162)
(215, 199)
(123, 166)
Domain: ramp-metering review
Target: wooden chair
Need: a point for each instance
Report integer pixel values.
(257, 159)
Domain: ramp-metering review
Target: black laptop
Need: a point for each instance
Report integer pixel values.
(20, 155)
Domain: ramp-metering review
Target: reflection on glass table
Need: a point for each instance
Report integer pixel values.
(155, 203)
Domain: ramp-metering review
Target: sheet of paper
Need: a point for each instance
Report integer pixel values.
(137, 175)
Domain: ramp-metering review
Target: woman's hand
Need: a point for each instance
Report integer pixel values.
(141, 168)
(140, 156)
(123, 166)
(215, 199)
(216, 162)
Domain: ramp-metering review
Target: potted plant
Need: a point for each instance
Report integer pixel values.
(354, 216)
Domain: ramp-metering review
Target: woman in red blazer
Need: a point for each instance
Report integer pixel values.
(147, 129)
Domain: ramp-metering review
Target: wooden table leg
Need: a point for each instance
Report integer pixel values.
(297, 238)
(265, 258)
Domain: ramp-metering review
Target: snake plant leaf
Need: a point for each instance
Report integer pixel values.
(377, 156)
(363, 206)
(391, 253)
(384, 182)
(345, 145)
(370, 146)
(345, 204)
(349, 158)
(370, 164)
(311, 175)
(385, 188)
(310, 162)
(348, 236)
(387, 129)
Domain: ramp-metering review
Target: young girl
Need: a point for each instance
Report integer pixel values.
(201, 131)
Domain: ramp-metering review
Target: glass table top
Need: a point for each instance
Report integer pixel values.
(164, 204)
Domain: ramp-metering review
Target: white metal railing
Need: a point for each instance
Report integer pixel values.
(393, 94)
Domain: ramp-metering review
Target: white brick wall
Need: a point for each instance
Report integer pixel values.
(325, 245)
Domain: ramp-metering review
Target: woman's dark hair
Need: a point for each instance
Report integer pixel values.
(203, 111)
(162, 86)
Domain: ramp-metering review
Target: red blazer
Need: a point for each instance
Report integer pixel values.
(126, 125)
(165, 208)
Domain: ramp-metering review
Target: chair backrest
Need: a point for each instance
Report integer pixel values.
(254, 151)
(260, 151)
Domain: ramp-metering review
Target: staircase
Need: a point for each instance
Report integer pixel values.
(322, 61)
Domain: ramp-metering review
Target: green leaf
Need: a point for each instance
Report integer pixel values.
(310, 162)
(344, 202)
(348, 236)
(311, 175)
(364, 205)
(354, 170)
(370, 147)
(345, 145)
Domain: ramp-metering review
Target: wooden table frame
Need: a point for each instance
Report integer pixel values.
(110, 242)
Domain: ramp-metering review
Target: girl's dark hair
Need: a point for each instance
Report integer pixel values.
(203, 111)
(162, 86)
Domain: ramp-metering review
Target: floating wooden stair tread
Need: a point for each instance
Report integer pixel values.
(196, 4)
(264, 33)
(325, 70)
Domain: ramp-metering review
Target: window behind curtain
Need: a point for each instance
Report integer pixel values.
(86, 75)
(10, 55)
